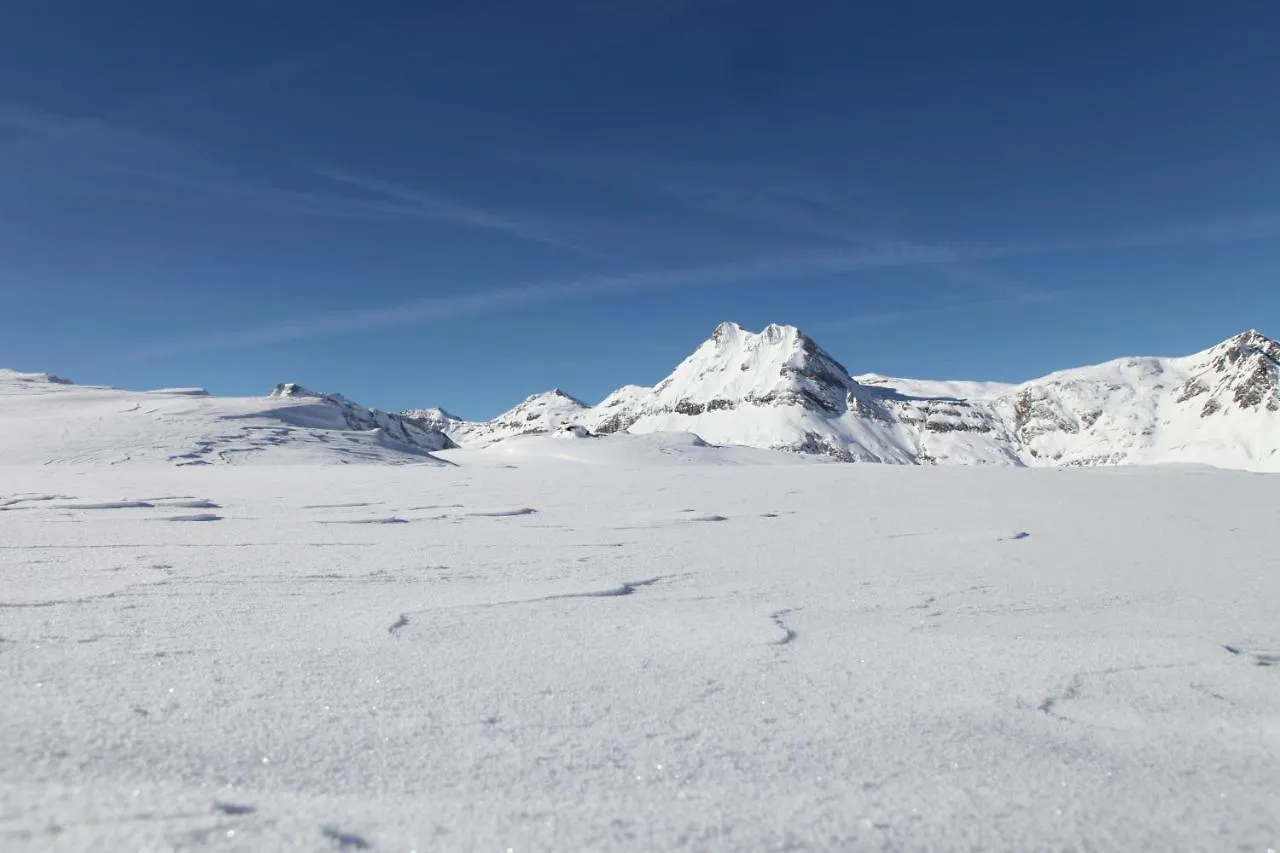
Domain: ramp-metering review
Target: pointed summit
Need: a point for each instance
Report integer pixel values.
(293, 389)
(546, 412)
(726, 331)
(1247, 343)
(778, 364)
(1243, 371)
(554, 397)
(774, 388)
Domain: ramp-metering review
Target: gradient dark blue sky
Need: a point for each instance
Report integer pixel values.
(462, 203)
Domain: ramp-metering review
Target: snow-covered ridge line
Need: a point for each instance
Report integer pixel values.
(46, 419)
(778, 389)
(537, 414)
(775, 390)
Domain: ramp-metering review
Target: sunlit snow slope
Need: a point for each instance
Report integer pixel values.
(48, 420)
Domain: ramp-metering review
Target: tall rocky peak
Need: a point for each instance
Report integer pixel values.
(779, 364)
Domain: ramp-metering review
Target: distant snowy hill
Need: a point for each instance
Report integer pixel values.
(777, 389)
(541, 413)
(49, 420)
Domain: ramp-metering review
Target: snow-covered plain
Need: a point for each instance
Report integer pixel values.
(560, 645)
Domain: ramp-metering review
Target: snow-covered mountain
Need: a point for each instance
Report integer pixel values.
(778, 389)
(775, 390)
(1220, 407)
(46, 419)
(541, 413)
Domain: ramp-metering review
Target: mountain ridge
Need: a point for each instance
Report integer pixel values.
(47, 419)
(776, 389)
(779, 389)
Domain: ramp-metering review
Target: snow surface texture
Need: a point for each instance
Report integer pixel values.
(778, 389)
(623, 656)
(48, 420)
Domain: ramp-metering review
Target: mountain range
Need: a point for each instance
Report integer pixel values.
(47, 419)
(774, 390)
(778, 389)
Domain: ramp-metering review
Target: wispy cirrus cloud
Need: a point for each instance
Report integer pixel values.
(786, 266)
(442, 308)
(786, 203)
(85, 135)
(443, 209)
(108, 157)
(840, 210)
(934, 307)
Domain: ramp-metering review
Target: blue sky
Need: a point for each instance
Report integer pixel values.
(461, 204)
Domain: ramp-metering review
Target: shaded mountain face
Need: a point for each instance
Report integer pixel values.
(409, 431)
(778, 389)
(440, 420)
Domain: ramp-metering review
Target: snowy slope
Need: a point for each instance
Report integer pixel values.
(619, 450)
(938, 388)
(802, 658)
(1218, 407)
(46, 420)
(541, 413)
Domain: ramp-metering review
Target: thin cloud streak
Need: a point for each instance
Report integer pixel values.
(89, 133)
(796, 265)
(131, 160)
(435, 309)
(889, 318)
(435, 206)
